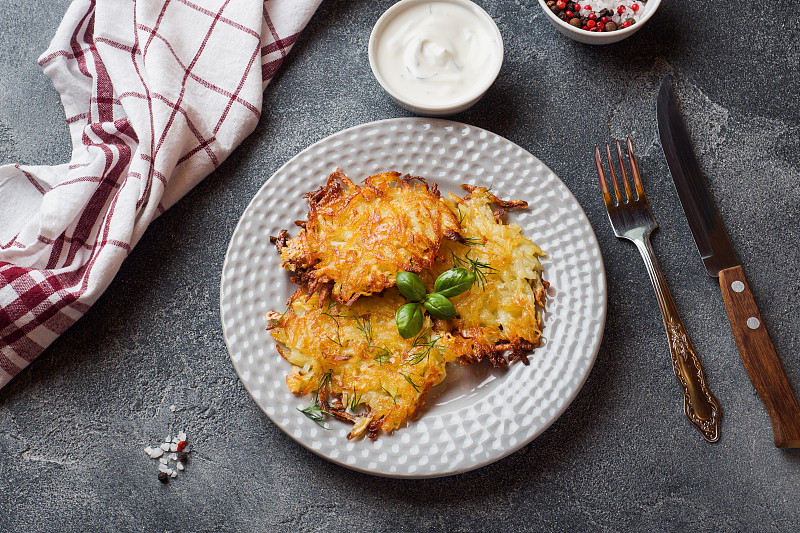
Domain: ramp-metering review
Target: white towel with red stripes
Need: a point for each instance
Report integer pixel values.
(157, 93)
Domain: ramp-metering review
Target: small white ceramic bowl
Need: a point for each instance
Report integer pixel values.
(427, 108)
(608, 37)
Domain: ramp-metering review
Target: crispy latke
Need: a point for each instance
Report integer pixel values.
(356, 237)
(354, 360)
(358, 367)
(502, 312)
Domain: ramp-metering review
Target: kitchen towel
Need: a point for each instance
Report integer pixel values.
(157, 93)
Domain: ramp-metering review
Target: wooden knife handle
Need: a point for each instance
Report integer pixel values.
(760, 359)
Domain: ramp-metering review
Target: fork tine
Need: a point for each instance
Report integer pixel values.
(613, 174)
(637, 178)
(622, 170)
(602, 175)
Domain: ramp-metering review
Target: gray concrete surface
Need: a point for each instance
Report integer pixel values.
(622, 457)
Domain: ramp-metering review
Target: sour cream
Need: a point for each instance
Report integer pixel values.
(436, 54)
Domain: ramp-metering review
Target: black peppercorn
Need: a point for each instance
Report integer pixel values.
(611, 26)
(575, 21)
(163, 477)
(183, 457)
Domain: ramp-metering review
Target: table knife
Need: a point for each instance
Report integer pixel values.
(752, 339)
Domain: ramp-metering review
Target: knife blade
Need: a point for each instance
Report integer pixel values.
(755, 346)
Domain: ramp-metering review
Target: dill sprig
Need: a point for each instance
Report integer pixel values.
(277, 321)
(353, 401)
(392, 396)
(365, 327)
(480, 268)
(472, 241)
(460, 215)
(427, 345)
(384, 355)
(318, 412)
(410, 381)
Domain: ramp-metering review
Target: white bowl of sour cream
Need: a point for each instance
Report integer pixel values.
(435, 57)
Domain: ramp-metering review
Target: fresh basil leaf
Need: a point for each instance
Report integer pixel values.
(409, 320)
(439, 306)
(411, 286)
(454, 281)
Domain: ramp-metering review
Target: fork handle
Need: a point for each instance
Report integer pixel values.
(759, 358)
(700, 405)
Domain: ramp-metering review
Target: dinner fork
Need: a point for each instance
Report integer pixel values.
(632, 219)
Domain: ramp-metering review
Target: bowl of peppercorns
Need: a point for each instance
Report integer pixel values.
(599, 21)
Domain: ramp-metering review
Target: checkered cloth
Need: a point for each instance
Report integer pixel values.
(157, 93)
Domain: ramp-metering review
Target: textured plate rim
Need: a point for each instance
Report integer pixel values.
(603, 289)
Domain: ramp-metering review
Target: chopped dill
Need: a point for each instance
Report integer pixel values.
(479, 268)
(384, 355)
(432, 343)
(473, 241)
(410, 381)
(335, 317)
(353, 401)
(318, 412)
(365, 327)
(277, 321)
(392, 396)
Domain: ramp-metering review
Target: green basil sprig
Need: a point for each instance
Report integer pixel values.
(451, 283)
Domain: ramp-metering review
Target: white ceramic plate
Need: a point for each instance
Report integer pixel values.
(478, 414)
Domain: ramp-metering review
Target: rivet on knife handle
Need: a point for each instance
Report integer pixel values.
(760, 359)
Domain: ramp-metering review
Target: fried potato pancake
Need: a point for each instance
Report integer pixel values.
(355, 362)
(503, 310)
(356, 365)
(356, 237)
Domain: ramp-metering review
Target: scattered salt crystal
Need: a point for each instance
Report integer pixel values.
(157, 452)
(165, 447)
(173, 474)
(173, 456)
(175, 440)
(163, 460)
(173, 447)
(179, 466)
(163, 468)
(181, 436)
(148, 450)
(173, 408)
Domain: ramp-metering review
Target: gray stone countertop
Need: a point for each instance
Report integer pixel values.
(621, 458)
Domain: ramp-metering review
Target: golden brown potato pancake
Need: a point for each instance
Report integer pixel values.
(357, 237)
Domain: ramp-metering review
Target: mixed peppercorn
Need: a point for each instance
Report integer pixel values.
(584, 17)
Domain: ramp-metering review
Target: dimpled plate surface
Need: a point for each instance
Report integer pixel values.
(478, 414)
